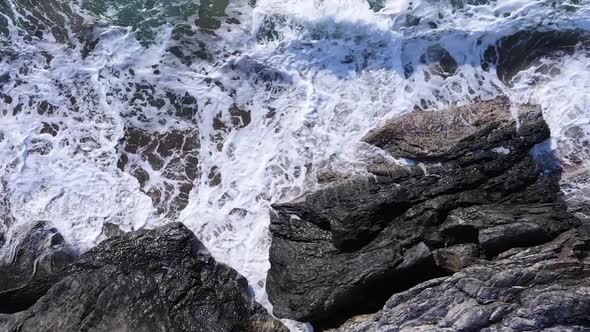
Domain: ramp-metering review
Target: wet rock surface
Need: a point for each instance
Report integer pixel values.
(41, 252)
(436, 59)
(518, 51)
(460, 133)
(475, 192)
(148, 280)
(6, 219)
(546, 288)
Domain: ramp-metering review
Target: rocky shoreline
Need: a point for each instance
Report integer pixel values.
(472, 234)
(542, 288)
(148, 280)
(474, 195)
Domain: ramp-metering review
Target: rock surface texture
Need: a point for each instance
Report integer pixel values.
(148, 280)
(546, 288)
(474, 193)
(41, 252)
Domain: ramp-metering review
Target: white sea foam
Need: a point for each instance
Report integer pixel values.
(337, 69)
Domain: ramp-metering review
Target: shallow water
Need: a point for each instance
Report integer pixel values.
(141, 112)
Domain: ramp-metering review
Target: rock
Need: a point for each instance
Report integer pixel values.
(546, 287)
(56, 17)
(40, 252)
(343, 250)
(507, 226)
(436, 59)
(6, 218)
(442, 61)
(111, 230)
(461, 130)
(520, 50)
(148, 280)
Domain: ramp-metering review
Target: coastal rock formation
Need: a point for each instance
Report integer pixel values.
(148, 280)
(461, 133)
(39, 253)
(546, 288)
(520, 50)
(475, 192)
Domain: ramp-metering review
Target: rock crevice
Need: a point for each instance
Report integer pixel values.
(545, 287)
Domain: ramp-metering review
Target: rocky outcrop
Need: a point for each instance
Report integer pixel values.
(475, 192)
(148, 280)
(520, 50)
(543, 288)
(461, 133)
(39, 253)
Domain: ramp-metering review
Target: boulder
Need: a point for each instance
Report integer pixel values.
(543, 288)
(344, 249)
(148, 280)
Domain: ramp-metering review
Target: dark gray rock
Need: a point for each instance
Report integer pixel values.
(6, 218)
(502, 227)
(110, 230)
(522, 49)
(543, 288)
(441, 60)
(343, 250)
(39, 253)
(56, 17)
(148, 280)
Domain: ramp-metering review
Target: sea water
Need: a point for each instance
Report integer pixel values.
(141, 112)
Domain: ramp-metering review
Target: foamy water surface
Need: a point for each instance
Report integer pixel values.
(138, 113)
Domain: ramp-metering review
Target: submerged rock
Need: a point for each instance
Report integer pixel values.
(149, 280)
(441, 60)
(171, 158)
(56, 17)
(546, 287)
(436, 60)
(343, 250)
